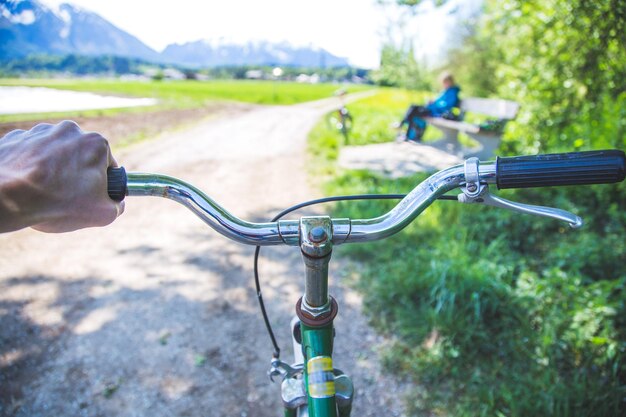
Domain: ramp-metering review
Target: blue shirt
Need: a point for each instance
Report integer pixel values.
(446, 101)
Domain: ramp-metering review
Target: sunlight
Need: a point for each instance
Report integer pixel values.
(95, 320)
(10, 357)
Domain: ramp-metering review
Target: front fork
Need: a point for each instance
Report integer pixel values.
(314, 381)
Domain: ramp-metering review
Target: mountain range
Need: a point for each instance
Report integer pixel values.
(29, 27)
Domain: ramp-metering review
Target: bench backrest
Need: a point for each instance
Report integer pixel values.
(500, 109)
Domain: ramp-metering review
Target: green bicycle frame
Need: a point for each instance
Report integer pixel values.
(319, 380)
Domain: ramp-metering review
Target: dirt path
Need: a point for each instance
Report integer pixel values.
(156, 315)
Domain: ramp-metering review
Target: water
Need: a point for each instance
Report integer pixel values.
(15, 100)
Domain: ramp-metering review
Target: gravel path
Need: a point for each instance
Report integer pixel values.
(156, 314)
(399, 159)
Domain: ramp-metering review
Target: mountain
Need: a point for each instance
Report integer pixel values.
(29, 27)
(223, 52)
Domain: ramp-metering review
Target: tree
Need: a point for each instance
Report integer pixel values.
(565, 62)
(399, 68)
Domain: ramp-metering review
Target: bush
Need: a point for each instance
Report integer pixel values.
(490, 310)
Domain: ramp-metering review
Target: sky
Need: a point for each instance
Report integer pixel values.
(354, 29)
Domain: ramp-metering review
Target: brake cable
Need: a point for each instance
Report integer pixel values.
(283, 213)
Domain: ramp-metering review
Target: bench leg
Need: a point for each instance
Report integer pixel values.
(450, 140)
(489, 143)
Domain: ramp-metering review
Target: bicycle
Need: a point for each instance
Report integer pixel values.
(341, 119)
(312, 386)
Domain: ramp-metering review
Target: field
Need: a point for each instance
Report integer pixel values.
(180, 94)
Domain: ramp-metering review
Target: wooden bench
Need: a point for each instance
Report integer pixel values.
(498, 111)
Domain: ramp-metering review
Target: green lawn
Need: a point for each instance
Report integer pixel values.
(182, 94)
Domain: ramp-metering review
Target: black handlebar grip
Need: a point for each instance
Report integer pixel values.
(117, 183)
(575, 168)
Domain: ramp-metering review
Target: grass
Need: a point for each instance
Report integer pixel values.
(110, 389)
(180, 94)
(199, 360)
(492, 313)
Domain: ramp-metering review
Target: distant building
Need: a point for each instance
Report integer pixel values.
(173, 74)
(134, 77)
(254, 75)
(308, 79)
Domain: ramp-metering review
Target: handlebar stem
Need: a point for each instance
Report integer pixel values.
(316, 246)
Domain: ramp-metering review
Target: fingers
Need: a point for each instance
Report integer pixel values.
(66, 130)
(111, 159)
(111, 162)
(101, 153)
(64, 126)
(121, 206)
(95, 214)
(41, 127)
(68, 125)
(13, 134)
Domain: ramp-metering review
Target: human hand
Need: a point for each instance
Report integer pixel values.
(53, 178)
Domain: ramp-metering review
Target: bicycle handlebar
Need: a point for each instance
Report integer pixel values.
(531, 171)
(575, 168)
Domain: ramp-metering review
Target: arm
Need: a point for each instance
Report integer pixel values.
(445, 102)
(53, 178)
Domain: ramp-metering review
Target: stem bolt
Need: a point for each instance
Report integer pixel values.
(318, 235)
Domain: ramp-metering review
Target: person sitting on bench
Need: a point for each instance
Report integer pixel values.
(442, 106)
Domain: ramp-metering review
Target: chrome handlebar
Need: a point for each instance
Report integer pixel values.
(287, 231)
(220, 219)
(473, 178)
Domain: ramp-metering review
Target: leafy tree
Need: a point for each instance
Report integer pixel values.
(475, 60)
(565, 62)
(399, 68)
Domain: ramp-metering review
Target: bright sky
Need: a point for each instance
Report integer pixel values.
(349, 28)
